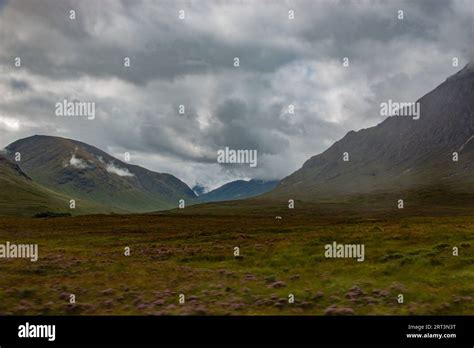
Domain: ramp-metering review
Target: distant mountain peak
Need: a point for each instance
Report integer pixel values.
(199, 189)
(238, 189)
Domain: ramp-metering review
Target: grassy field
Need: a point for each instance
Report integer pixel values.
(191, 252)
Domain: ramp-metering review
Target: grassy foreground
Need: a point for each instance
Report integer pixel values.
(181, 252)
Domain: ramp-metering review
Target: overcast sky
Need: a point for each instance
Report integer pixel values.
(190, 62)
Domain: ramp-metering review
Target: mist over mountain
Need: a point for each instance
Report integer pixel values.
(399, 153)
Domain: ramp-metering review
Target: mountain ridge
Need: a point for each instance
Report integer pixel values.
(399, 152)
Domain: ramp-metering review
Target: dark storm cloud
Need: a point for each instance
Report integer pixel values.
(162, 48)
(19, 85)
(190, 62)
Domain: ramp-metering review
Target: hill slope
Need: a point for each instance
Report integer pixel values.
(78, 170)
(20, 195)
(400, 153)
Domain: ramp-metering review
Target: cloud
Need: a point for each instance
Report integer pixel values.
(78, 163)
(190, 62)
(112, 168)
(9, 123)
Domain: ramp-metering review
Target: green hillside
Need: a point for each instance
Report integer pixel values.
(20, 195)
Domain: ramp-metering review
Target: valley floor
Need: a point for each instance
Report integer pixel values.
(175, 253)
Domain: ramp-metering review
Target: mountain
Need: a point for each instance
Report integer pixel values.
(80, 171)
(400, 153)
(238, 189)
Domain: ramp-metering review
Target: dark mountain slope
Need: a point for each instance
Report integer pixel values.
(400, 153)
